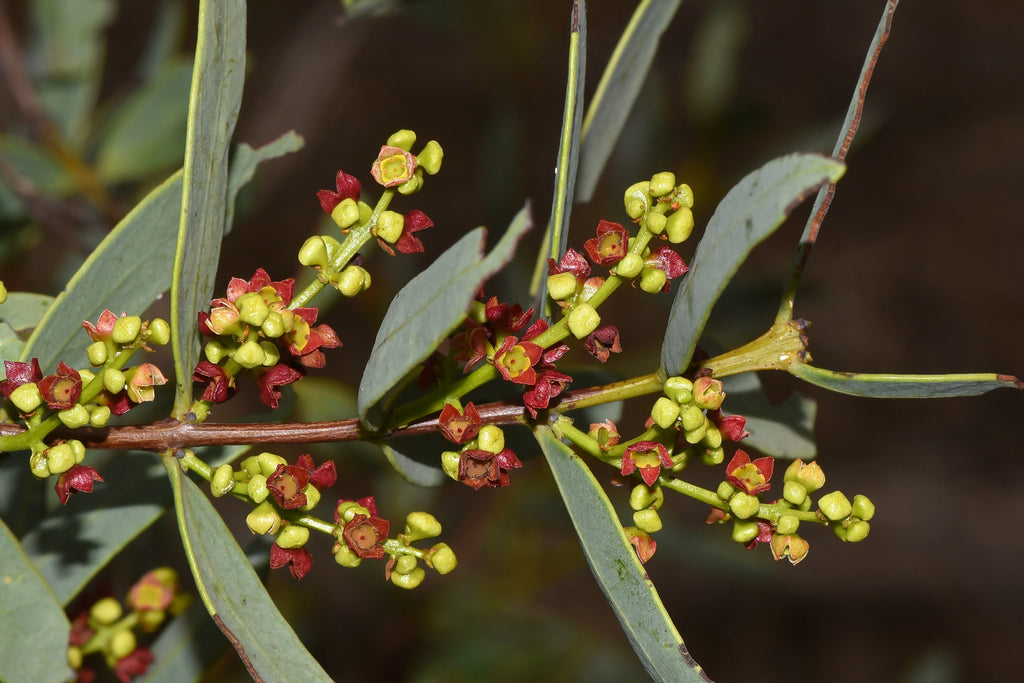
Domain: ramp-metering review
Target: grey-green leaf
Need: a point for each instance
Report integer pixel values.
(217, 81)
(429, 307)
(617, 569)
(33, 628)
(233, 593)
(782, 430)
(10, 343)
(413, 471)
(620, 84)
(751, 211)
(904, 386)
(24, 310)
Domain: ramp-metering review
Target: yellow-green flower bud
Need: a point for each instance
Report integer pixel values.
(863, 508)
(583, 320)
(662, 183)
(653, 280)
(562, 286)
(3, 293)
(643, 497)
(222, 481)
(151, 619)
(684, 196)
(857, 532)
(249, 355)
(293, 536)
(37, 463)
(60, 458)
(26, 397)
(158, 332)
(835, 506)
(491, 438)
(695, 436)
(405, 564)
(126, 330)
(679, 225)
(647, 520)
(264, 519)
(725, 491)
(113, 380)
(656, 222)
(794, 492)
(251, 465)
(353, 280)
(410, 580)
(637, 199)
(215, 351)
(99, 416)
(105, 611)
(450, 463)
(74, 418)
(78, 448)
(271, 354)
(693, 418)
(257, 488)
(313, 251)
(679, 389)
(630, 266)
(252, 309)
(744, 505)
(429, 158)
(441, 558)
(389, 226)
(97, 353)
(312, 494)
(344, 555)
(713, 456)
(403, 139)
(121, 644)
(744, 532)
(809, 474)
(75, 657)
(345, 215)
(664, 412)
(273, 326)
(787, 524)
(712, 437)
(420, 525)
(87, 375)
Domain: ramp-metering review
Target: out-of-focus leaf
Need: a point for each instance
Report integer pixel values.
(217, 81)
(617, 91)
(186, 648)
(164, 40)
(10, 343)
(617, 569)
(33, 628)
(783, 430)
(904, 386)
(751, 211)
(430, 306)
(23, 310)
(414, 471)
(147, 133)
(233, 593)
(246, 159)
(34, 165)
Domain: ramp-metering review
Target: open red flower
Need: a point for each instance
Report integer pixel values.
(135, 663)
(665, 259)
(287, 484)
(515, 360)
(321, 477)
(647, 456)
(19, 373)
(479, 468)
(269, 381)
(751, 477)
(299, 559)
(394, 166)
(502, 316)
(77, 479)
(459, 427)
(219, 385)
(366, 535)
(550, 383)
(732, 427)
(348, 187)
(571, 262)
(103, 328)
(415, 221)
(610, 245)
(603, 342)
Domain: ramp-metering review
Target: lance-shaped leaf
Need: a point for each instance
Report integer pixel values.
(782, 430)
(10, 343)
(24, 310)
(33, 628)
(413, 471)
(232, 592)
(617, 569)
(620, 84)
(904, 386)
(429, 307)
(217, 81)
(751, 211)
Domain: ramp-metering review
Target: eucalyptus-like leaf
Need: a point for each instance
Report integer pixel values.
(413, 471)
(617, 91)
(904, 386)
(751, 211)
(10, 343)
(617, 569)
(35, 165)
(24, 310)
(33, 627)
(782, 430)
(428, 308)
(217, 80)
(232, 592)
(185, 649)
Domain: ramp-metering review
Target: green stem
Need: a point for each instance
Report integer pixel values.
(434, 401)
(778, 348)
(693, 491)
(105, 633)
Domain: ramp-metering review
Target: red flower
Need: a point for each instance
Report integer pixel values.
(501, 316)
(321, 477)
(103, 328)
(515, 360)
(550, 383)
(348, 187)
(665, 259)
(286, 485)
(299, 559)
(394, 166)
(78, 478)
(732, 427)
(610, 245)
(479, 468)
(141, 382)
(269, 381)
(647, 456)
(603, 342)
(642, 541)
(571, 262)
(459, 427)
(153, 591)
(219, 385)
(366, 535)
(19, 373)
(134, 664)
(764, 534)
(751, 477)
(407, 242)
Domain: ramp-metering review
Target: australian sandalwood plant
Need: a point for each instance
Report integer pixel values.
(118, 386)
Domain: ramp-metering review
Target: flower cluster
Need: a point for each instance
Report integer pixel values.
(246, 330)
(483, 460)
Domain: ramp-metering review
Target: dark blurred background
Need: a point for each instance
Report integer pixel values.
(917, 271)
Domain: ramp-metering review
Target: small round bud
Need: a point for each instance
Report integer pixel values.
(413, 184)
(713, 456)
(264, 519)
(429, 158)
(76, 417)
(403, 139)
(345, 556)
(273, 326)
(258, 490)
(679, 225)
(450, 463)
(662, 183)
(695, 436)
(679, 389)
(37, 463)
(725, 490)
(313, 495)
(99, 416)
(313, 251)
(491, 439)
(647, 520)
(78, 448)
(60, 458)
(87, 375)
(121, 644)
(744, 505)
(405, 564)
(420, 525)
(345, 214)
(629, 266)
(684, 196)
(97, 353)
(113, 380)
(3, 293)
(292, 536)
(641, 497)
(215, 351)
(637, 199)
(863, 508)
(26, 397)
(692, 418)
(809, 474)
(126, 330)
(249, 355)
(653, 280)
(352, 280)
(271, 354)
(562, 286)
(744, 532)
(857, 532)
(835, 506)
(105, 611)
(410, 580)
(794, 492)
(583, 320)
(252, 309)
(222, 481)
(251, 465)
(787, 524)
(656, 222)
(665, 412)
(712, 437)
(158, 332)
(441, 558)
(75, 657)
(389, 226)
